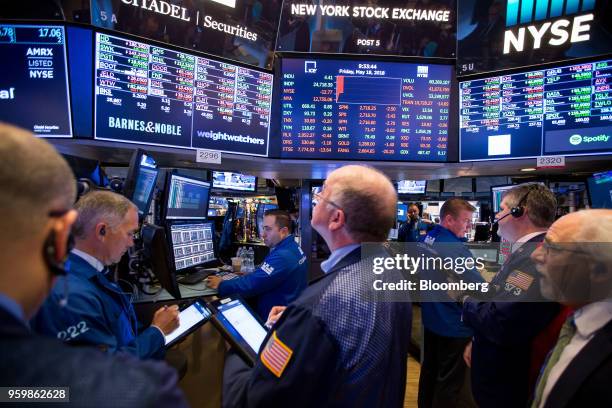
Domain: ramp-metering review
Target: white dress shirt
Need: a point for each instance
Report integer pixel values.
(525, 238)
(588, 319)
(94, 262)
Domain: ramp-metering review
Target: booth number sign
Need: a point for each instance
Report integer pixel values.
(208, 156)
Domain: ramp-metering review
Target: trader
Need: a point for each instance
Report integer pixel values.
(575, 266)
(330, 347)
(442, 381)
(415, 228)
(506, 325)
(97, 311)
(38, 190)
(282, 276)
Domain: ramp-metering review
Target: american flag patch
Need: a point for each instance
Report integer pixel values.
(520, 279)
(276, 355)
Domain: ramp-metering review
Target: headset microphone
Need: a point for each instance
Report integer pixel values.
(495, 221)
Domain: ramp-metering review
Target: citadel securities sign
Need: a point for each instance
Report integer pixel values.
(232, 29)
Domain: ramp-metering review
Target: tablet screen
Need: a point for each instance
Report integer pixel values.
(241, 319)
(188, 318)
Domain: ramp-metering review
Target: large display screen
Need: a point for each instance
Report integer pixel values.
(555, 111)
(357, 110)
(187, 198)
(600, 190)
(387, 27)
(34, 80)
(503, 34)
(234, 181)
(242, 30)
(152, 95)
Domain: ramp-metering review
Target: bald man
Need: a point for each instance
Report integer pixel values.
(38, 191)
(575, 266)
(331, 347)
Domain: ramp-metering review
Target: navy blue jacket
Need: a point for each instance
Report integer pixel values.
(98, 313)
(504, 329)
(345, 351)
(277, 282)
(444, 318)
(95, 379)
(411, 230)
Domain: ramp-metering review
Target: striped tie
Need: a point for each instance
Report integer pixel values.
(567, 332)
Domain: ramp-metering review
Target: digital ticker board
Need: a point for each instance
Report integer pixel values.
(555, 111)
(154, 95)
(364, 110)
(34, 80)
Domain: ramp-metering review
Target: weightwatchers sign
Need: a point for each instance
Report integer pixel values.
(241, 30)
(388, 27)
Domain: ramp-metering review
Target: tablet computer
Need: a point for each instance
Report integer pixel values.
(240, 326)
(190, 318)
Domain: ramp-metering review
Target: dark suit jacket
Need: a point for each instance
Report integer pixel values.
(94, 378)
(587, 381)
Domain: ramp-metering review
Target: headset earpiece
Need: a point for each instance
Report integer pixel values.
(56, 266)
(103, 231)
(517, 212)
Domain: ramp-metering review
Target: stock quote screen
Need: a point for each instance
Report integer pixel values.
(355, 110)
(153, 95)
(556, 111)
(34, 80)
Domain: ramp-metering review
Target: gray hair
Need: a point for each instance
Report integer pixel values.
(35, 180)
(539, 201)
(594, 234)
(100, 206)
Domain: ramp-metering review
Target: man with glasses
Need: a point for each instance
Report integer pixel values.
(510, 327)
(575, 266)
(96, 311)
(334, 346)
(38, 190)
(281, 277)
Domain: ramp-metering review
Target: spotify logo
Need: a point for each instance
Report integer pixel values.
(575, 139)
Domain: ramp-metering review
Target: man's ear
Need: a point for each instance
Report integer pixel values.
(62, 228)
(101, 230)
(337, 221)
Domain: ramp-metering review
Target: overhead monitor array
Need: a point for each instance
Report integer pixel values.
(364, 110)
(34, 81)
(556, 111)
(157, 96)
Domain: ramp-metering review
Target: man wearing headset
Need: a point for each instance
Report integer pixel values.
(97, 311)
(38, 190)
(507, 324)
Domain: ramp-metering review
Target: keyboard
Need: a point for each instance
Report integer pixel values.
(227, 275)
(196, 277)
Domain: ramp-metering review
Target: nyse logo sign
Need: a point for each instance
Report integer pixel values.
(522, 17)
(310, 67)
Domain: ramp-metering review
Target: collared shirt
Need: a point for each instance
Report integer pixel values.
(93, 261)
(525, 238)
(12, 307)
(336, 256)
(588, 319)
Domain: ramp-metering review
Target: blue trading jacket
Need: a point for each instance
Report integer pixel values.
(444, 318)
(504, 329)
(93, 378)
(98, 313)
(411, 230)
(345, 351)
(277, 282)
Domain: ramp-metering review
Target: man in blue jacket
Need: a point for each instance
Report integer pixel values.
(443, 371)
(96, 311)
(415, 228)
(38, 190)
(282, 276)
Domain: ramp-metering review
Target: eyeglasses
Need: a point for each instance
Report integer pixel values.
(318, 197)
(548, 246)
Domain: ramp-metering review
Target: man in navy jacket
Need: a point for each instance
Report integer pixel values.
(97, 311)
(38, 190)
(282, 276)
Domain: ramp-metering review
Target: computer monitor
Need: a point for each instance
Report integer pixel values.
(411, 186)
(140, 181)
(185, 198)
(402, 212)
(599, 188)
(228, 180)
(261, 210)
(192, 244)
(497, 193)
(156, 252)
